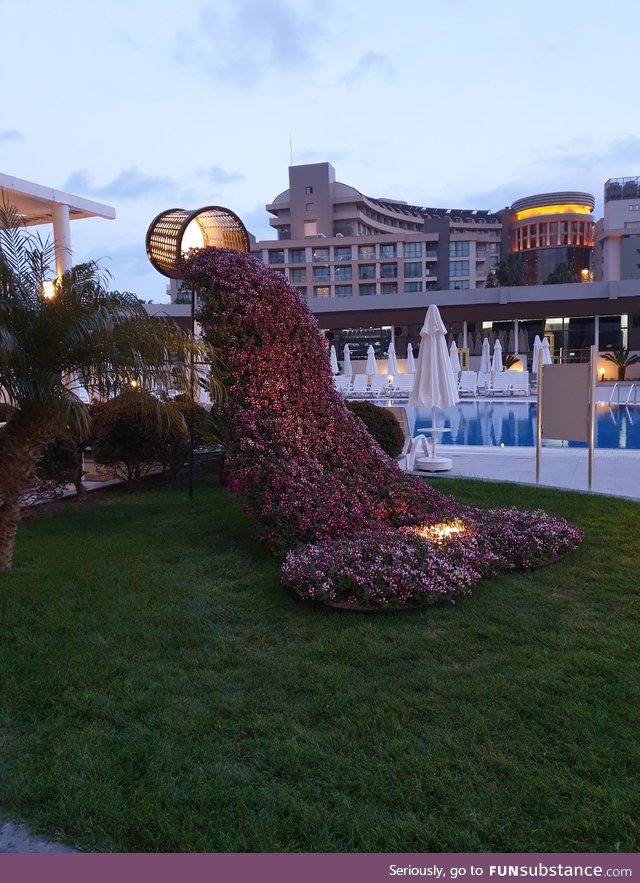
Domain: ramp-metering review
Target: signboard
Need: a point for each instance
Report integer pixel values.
(565, 402)
(463, 355)
(566, 405)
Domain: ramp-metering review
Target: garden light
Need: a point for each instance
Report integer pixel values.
(49, 288)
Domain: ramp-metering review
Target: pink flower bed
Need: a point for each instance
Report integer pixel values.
(308, 469)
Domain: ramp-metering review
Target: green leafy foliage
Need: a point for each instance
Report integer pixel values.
(382, 425)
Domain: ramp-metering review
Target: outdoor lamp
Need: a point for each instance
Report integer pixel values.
(173, 232)
(390, 379)
(602, 374)
(49, 288)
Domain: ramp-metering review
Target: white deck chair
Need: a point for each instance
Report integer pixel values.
(342, 384)
(359, 386)
(483, 381)
(468, 385)
(379, 384)
(403, 384)
(502, 384)
(520, 383)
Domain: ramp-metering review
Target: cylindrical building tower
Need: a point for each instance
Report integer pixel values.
(550, 229)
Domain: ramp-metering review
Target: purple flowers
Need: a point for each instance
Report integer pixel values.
(312, 474)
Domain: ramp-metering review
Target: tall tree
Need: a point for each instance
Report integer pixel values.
(82, 331)
(512, 270)
(561, 274)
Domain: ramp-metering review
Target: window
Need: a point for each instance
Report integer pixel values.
(302, 291)
(310, 228)
(343, 252)
(342, 273)
(367, 271)
(308, 191)
(458, 249)
(366, 290)
(388, 271)
(412, 268)
(459, 284)
(299, 275)
(321, 274)
(276, 256)
(257, 255)
(322, 291)
(389, 288)
(412, 287)
(284, 231)
(413, 249)
(458, 268)
(308, 207)
(366, 252)
(343, 291)
(388, 251)
(431, 253)
(297, 256)
(279, 270)
(320, 254)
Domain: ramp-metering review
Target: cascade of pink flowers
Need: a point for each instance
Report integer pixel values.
(307, 466)
(313, 477)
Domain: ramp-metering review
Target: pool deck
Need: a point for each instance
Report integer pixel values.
(615, 473)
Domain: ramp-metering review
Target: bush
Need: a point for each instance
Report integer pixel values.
(206, 434)
(133, 434)
(382, 424)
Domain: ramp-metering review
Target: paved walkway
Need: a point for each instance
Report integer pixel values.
(616, 473)
(16, 839)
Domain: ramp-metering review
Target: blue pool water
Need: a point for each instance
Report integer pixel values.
(513, 424)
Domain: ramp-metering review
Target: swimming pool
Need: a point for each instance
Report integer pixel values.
(513, 424)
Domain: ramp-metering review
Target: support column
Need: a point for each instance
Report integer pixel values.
(464, 334)
(596, 334)
(516, 350)
(61, 238)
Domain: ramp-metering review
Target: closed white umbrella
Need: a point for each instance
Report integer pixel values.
(455, 360)
(496, 361)
(333, 360)
(477, 349)
(485, 358)
(411, 365)
(523, 340)
(347, 370)
(392, 367)
(497, 417)
(434, 386)
(537, 345)
(546, 352)
(372, 365)
(511, 345)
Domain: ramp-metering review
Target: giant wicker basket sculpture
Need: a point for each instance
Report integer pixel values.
(173, 232)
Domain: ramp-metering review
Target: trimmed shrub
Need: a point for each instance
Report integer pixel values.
(382, 424)
(133, 434)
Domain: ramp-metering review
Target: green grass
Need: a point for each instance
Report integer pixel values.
(162, 691)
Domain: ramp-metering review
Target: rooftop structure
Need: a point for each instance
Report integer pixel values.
(43, 205)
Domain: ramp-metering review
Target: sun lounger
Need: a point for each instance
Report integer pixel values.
(342, 384)
(468, 384)
(501, 384)
(379, 384)
(360, 386)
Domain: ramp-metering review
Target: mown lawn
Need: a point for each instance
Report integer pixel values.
(161, 691)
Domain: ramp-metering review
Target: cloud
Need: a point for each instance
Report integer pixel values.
(620, 151)
(370, 63)
(249, 39)
(10, 135)
(129, 184)
(218, 175)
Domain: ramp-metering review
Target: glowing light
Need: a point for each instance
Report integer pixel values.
(134, 384)
(440, 533)
(49, 288)
(390, 379)
(567, 209)
(193, 237)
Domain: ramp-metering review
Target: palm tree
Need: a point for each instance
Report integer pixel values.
(513, 269)
(622, 360)
(561, 274)
(83, 331)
